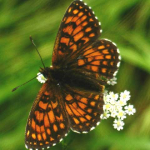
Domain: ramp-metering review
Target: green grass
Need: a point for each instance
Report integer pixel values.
(127, 23)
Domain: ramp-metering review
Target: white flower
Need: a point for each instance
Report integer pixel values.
(125, 95)
(116, 107)
(130, 110)
(107, 98)
(118, 124)
(107, 106)
(113, 97)
(113, 113)
(105, 92)
(105, 115)
(41, 78)
(122, 102)
(112, 81)
(121, 114)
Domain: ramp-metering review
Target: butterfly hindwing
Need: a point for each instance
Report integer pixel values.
(83, 108)
(47, 123)
(79, 28)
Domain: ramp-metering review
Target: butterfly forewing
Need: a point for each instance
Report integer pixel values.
(100, 59)
(47, 123)
(79, 28)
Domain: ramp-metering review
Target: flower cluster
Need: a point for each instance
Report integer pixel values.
(115, 106)
(41, 78)
(112, 81)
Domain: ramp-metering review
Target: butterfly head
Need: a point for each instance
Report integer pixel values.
(45, 71)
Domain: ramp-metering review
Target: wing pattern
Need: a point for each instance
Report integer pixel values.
(79, 28)
(47, 123)
(101, 59)
(83, 108)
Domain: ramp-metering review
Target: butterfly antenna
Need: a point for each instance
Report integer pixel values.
(22, 84)
(36, 50)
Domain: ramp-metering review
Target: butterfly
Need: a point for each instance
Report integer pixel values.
(72, 96)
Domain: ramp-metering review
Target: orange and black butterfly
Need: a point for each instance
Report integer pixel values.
(72, 96)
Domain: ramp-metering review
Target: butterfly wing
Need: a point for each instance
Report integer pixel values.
(77, 47)
(83, 108)
(47, 123)
(101, 59)
(79, 28)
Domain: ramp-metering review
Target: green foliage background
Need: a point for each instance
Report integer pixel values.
(126, 23)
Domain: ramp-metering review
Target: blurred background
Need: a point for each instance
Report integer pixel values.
(127, 23)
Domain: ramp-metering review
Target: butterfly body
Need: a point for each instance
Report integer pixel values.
(72, 96)
(62, 76)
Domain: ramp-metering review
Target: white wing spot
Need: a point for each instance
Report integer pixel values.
(89, 7)
(107, 40)
(101, 30)
(26, 146)
(85, 3)
(96, 17)
(119, 57)
(100, 23)
(54, 144)
(92, 128)
(114, 43)
(84, 132)
(75, 131)
(97, 123)
(115, 73)
(60, 140)
(118, 64)
(118, 51)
